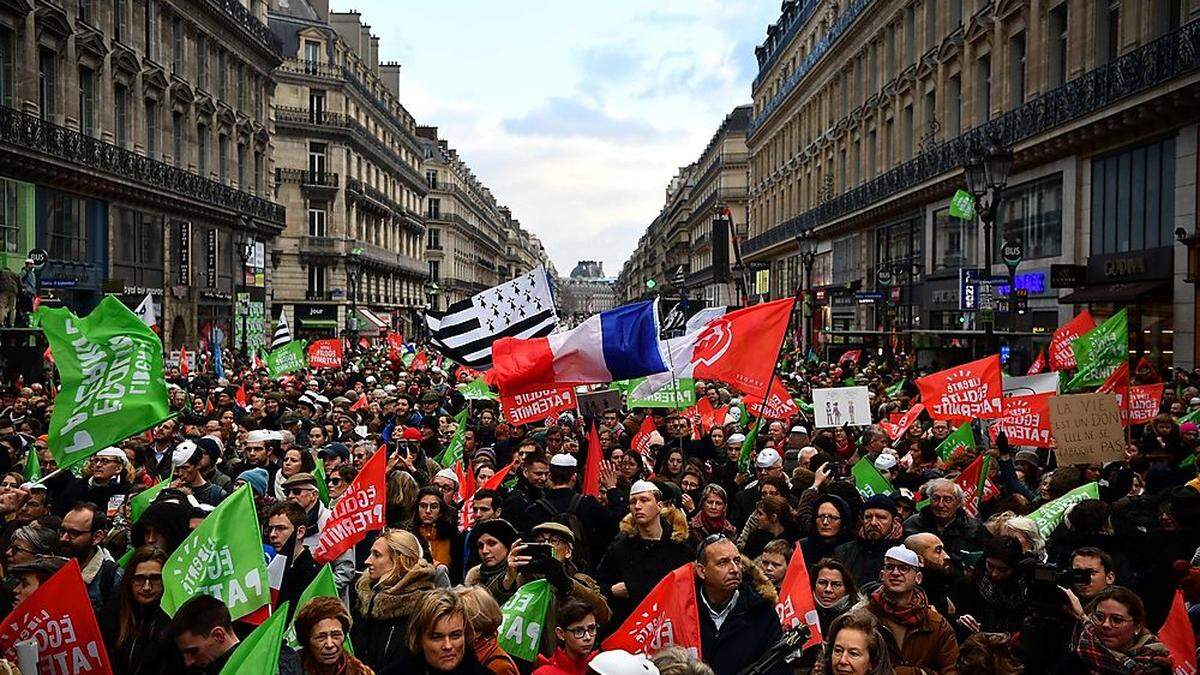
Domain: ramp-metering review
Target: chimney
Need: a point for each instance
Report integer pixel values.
(375, 54)
(427, 132)
(321, 7)
(390, 74)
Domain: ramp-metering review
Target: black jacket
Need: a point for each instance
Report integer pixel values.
(751, 627)
(864, 558)
(522, 495)
(642, 563)
(300, 572)
(415, 665)
(594, 519)
(289, 662)
(382, 614)
(147, 651)
(961, 534)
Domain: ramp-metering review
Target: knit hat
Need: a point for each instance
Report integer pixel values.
(497, 527)
(256, 478)
(881, 502)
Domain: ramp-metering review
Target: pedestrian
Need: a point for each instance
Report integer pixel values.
(439, 639)
(322, 626)
(736, 602)
(387, 594)
(136, 631)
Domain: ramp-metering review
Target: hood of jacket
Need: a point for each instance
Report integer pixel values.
(843, 509)
(673, 520)
(398, 599)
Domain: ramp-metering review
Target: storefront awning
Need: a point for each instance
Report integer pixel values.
(373, 321)
(1121, 293)
(318, 323)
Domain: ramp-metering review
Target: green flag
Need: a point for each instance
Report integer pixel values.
(142, 500)
(678, 394)
(322, 586)
(524, 615)
(748, 446)
(33, 466)
(1100, 351)
(1051, 513)
(223, 557)
(478, 391)
(259, 652)
(896, 389)
(1193, 416)
(285, 359)
(407, 358)
(112, 379)
(805, 408)
(454, 449)
(868, 480)
(124, 560)
(322, 485)
(962, 437)
(962, 205)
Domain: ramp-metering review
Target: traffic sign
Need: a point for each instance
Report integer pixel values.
(39, 257)
(1013, 252)
(884, 276)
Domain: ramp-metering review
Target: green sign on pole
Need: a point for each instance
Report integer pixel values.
(289, 357)
(962, 205)
(679, 394)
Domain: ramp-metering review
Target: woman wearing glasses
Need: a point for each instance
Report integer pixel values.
(1112, 638)
(321, 629)
(136, 638)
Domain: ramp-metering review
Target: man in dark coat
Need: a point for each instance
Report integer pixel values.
(286, 529)
(736, 603)
(945, 517)
(881, 530)
(564, 504)
(530, 486)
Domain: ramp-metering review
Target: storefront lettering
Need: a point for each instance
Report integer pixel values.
(1124, 267)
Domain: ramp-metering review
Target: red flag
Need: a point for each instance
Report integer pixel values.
(360, 403)
(466, 495)
(420, 362)
(60, 617)
(395, 341)
(357, 512)
(364, 342)
(1061, 356)
(183, 362)
(258, 362)
(779, 404)
(1179, 638)
(1118, 383)
(325, 353)
(897, 429)
(1025, 421)
(667, 617)
(537, 404)
(796, 604)
(976, 486)
(239, 396)
(1138, 404)
(591, 470)
(466, 373)
(497, 478)
(48, 356)
(853, 356)
(963, 393)
(1039, 364)
(640, 443)
(710, 416)
(741, 347)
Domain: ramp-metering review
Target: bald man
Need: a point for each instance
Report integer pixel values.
(939, 575)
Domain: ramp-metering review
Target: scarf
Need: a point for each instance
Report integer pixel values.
(1147, 655)
(841, 605)
(708, 526)
(487, 574)
(910, 614)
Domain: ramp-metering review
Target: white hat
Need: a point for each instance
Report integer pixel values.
(641, 486)
(259, 436)
(371, 379)
(767, 458)
(447, 473)
(1194, 401)
(885, 461)
(114, 453)
(183, 453)
(798, 430)
(621, 662)
(564, 459)
(904, 555)
(736, 438)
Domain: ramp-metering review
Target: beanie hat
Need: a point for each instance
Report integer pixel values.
(497, 527)
(881, 502)
(256, 478)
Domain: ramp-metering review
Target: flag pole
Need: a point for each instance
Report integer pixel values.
(762, 408)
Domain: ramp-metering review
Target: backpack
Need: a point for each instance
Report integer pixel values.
(570, 518)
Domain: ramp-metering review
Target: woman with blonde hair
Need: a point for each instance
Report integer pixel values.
(855, 646)
(439, 639)
(386, 596)
(483, 613)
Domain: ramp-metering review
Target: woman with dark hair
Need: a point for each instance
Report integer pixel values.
(295, 460)
(713, 516)
(854, 646)
(669, 465)
(995, 602)
(772, 520)
(440, 639)
(136, 633)
(1112, 638)
(832, 526)
(834, 591)
(434, 525)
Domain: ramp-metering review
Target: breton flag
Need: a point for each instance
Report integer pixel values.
(521, 308)
(145, 311)
(283, 334)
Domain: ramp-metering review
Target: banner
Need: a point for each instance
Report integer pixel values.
(112, 379)
(60, 617)
(259, 652)
(851, 356)
(1061, 355)
(838, 406)
(962, 438)
(537, 405)
(1050, 514)
(779, 404)
(222, 557)
(868, 480)
(976, 486)
(325, 353)
(796, 603)
(454, 449)
(1087, 428)
(667, 617)
(359, 510)
(1039, 365)
(896, 429)
(1100, 351)
(591, 466)
(963, 393)
(524, 617)
(1025, 420)
(678, 394)
(1179, 638)
(1144, 402)
(1024, 385)
(288, 358)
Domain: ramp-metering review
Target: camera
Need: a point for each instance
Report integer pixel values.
(1045, 575)
(839, 470)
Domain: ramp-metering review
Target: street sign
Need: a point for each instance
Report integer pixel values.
(39, 257)
(884, 276)
(1012, 252)
(968, 288)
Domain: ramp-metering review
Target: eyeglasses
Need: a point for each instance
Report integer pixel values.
(334, 481)
(21, 549)
(1114, 620)
(143, 579)
(71, 532)
(581, 631)
(898, 567)
(295, 491)
(828, 517)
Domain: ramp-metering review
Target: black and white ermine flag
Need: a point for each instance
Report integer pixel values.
(522, 308)
(283, 334)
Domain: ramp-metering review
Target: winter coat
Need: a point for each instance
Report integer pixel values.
(144, 652)
(492, 656)
(415, 665)
(382, 615)
(583, 588)
(815, 546)
(929, 648)
(642, 563)
(751, 627)
(963, 533)
(349, 665)
(561, 663)
(864, 558)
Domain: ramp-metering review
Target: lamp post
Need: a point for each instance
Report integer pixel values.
(245, 253)
(353, 272)
(987, 176)
(431, 294)
(807, 243)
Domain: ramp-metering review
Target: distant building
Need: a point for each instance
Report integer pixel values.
(584, 293)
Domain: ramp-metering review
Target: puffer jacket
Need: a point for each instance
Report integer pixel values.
(642, 563)
(382, 615)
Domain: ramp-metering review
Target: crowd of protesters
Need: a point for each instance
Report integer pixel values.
(897, 588)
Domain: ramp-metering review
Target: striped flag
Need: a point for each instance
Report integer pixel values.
(521, 308)
(283, 334)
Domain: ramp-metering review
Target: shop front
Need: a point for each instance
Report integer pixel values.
(74, 232)
(314, 322)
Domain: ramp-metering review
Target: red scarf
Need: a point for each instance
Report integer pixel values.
(909, 614)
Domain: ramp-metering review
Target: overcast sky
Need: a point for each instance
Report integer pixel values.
(575, 114)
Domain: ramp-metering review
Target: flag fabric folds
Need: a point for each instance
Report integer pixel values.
(259, 652)
(796, 605)
(358, 511)
(60, 617)
(668, 616)
(1061, 356)
(961, 438)
(962, 393)
(1179, 638)
(521, 308)
(283, 333)
(1100, 351)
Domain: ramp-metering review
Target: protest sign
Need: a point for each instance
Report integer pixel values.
(963, 393)
(1087, 428)
(868, 480)
(677, 394)
(594, 403)
(325, 354)
(837, 406)
(538, 404)
(288, 358)
(1025, 421)
(1049, 515)
(1025, 385)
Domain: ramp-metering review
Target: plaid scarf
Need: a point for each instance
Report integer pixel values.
(910, 614)
(1147, 656)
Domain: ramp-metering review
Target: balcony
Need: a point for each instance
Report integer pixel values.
(333, 122)
(35, 136)
(236, 11)
(314, 68)
(321, 185)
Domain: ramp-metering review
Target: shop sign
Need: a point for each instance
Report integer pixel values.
(211, 258)
(315, 312)
(868, 297)
(945, 296)
(968, 288)
(185, 252)
(1155, 263)
(1033, 283)
(1067, 276)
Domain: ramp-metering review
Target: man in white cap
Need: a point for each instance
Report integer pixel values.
(768, 463)
(562, 503)
(257, 454)
(653, 542)
(923, 641)
(188, 474)
(446, 481)
(885, 464)
(104, 488)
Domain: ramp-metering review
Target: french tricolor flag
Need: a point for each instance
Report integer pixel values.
(615, 345)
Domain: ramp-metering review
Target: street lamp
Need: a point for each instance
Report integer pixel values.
(806, 242)
(245, 251)
(987, 176)
(431, 294)
(353, 272)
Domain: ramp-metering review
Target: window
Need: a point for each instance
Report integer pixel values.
(1056, 46)
(1016, 70)
(86, 11)
(900, 241)
(983, 88)
(431, 178)
(223, 158)
(845, 260)
(1032, 213)
(954, 107)
(906, 132)
(121, 20)
(6, 67)
(177, 47)
(312, 54)
(316, 106)
(316, 161)
(910, 35)
(930, 113)
(121, 113)
(435, 239)
(434, 207)
(435, 270)
(241, 166)
(201, 62)
(66, 226)
(258, 173)
(152, 128)
(152, 30)
(177, 132)
(47, 83)
(1133, 198)
(10, 224)
(316, 281)
(137, 247)
(87, 101)
(202, 150)
(317, 220)
(931, 34)
(956, 13)
(1108, 38)
(955, 241)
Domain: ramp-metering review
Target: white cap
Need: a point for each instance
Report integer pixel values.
(799, 430)
(564, 459)
(641, 486)
(736, 438)
(767, 458)
(182, 453)
(114, 453)
(885, 462)
(258, 436)
(621, 662)
(447, 473)
(904, 555)
(1194, 401)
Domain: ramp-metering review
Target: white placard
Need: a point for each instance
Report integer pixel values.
(838, 406)
(1025, 385)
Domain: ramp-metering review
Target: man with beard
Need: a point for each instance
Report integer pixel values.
(939, 576)
(79, 536)
(919, 640)
(737, 615)
(881, 530)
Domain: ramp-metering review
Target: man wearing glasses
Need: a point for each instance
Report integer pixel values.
(79, 536)
(923, 641)
(738, 622)
(301, 489)
(576, 633)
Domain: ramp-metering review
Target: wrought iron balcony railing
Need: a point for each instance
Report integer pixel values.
(307, 177)
(238, 12)
(37, 136)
